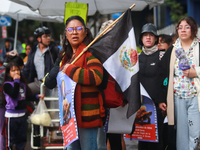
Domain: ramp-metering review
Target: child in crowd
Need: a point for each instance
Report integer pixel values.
(15, 93)
(12, 57)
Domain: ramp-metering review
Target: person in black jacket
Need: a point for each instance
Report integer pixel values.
(148, 64)
(50, 80)
(41, 59)
(165, 41)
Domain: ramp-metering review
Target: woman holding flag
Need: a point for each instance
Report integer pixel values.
(148, 64)
(87, 72)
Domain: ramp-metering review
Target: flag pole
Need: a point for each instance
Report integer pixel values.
(85, 49)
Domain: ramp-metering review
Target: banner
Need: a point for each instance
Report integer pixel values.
(146, 128)
(76, 9)
(66, 89)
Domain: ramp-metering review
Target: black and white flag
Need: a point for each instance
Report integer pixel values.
(118, 53)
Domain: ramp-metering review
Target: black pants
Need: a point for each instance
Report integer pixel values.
(16, 132)
(171, 137)
(152, 145)
(36, 136)
(115, 141)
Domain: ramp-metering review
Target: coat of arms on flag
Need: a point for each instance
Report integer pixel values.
(128, 58)
(117, 52)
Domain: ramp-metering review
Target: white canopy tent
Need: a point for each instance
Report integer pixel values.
(57, 7)
(20, 12)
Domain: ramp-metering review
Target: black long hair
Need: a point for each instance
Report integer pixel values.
(66, 47)
(7, 77)
(166, 39)
(16, 59)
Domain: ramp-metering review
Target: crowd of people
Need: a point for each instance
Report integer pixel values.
(168, 70)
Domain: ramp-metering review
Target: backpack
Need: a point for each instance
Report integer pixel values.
(112, 98)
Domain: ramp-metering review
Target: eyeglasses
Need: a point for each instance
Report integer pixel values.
(70, 30)
(185, 28)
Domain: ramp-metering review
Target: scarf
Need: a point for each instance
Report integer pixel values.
(149, 51)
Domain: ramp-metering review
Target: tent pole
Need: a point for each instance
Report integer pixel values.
(16, 29)
(155, 16)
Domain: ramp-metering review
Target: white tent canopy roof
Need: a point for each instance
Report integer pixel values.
(57, 7)
(20, 12)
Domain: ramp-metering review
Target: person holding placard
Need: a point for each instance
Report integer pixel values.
(87, 72)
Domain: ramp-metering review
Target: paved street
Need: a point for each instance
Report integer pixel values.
(130, 144)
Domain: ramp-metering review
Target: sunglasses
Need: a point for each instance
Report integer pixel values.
(70, 30)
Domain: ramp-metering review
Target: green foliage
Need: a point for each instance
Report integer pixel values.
(139, 50)
(176, 10)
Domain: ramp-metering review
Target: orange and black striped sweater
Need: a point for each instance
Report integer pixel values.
(87, 71)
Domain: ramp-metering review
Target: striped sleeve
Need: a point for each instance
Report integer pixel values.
(91, 75)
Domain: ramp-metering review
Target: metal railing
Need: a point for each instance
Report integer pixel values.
(42, 127)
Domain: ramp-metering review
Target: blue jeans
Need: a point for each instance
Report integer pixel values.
(101, 139)
(87, 139)
(187, 117)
